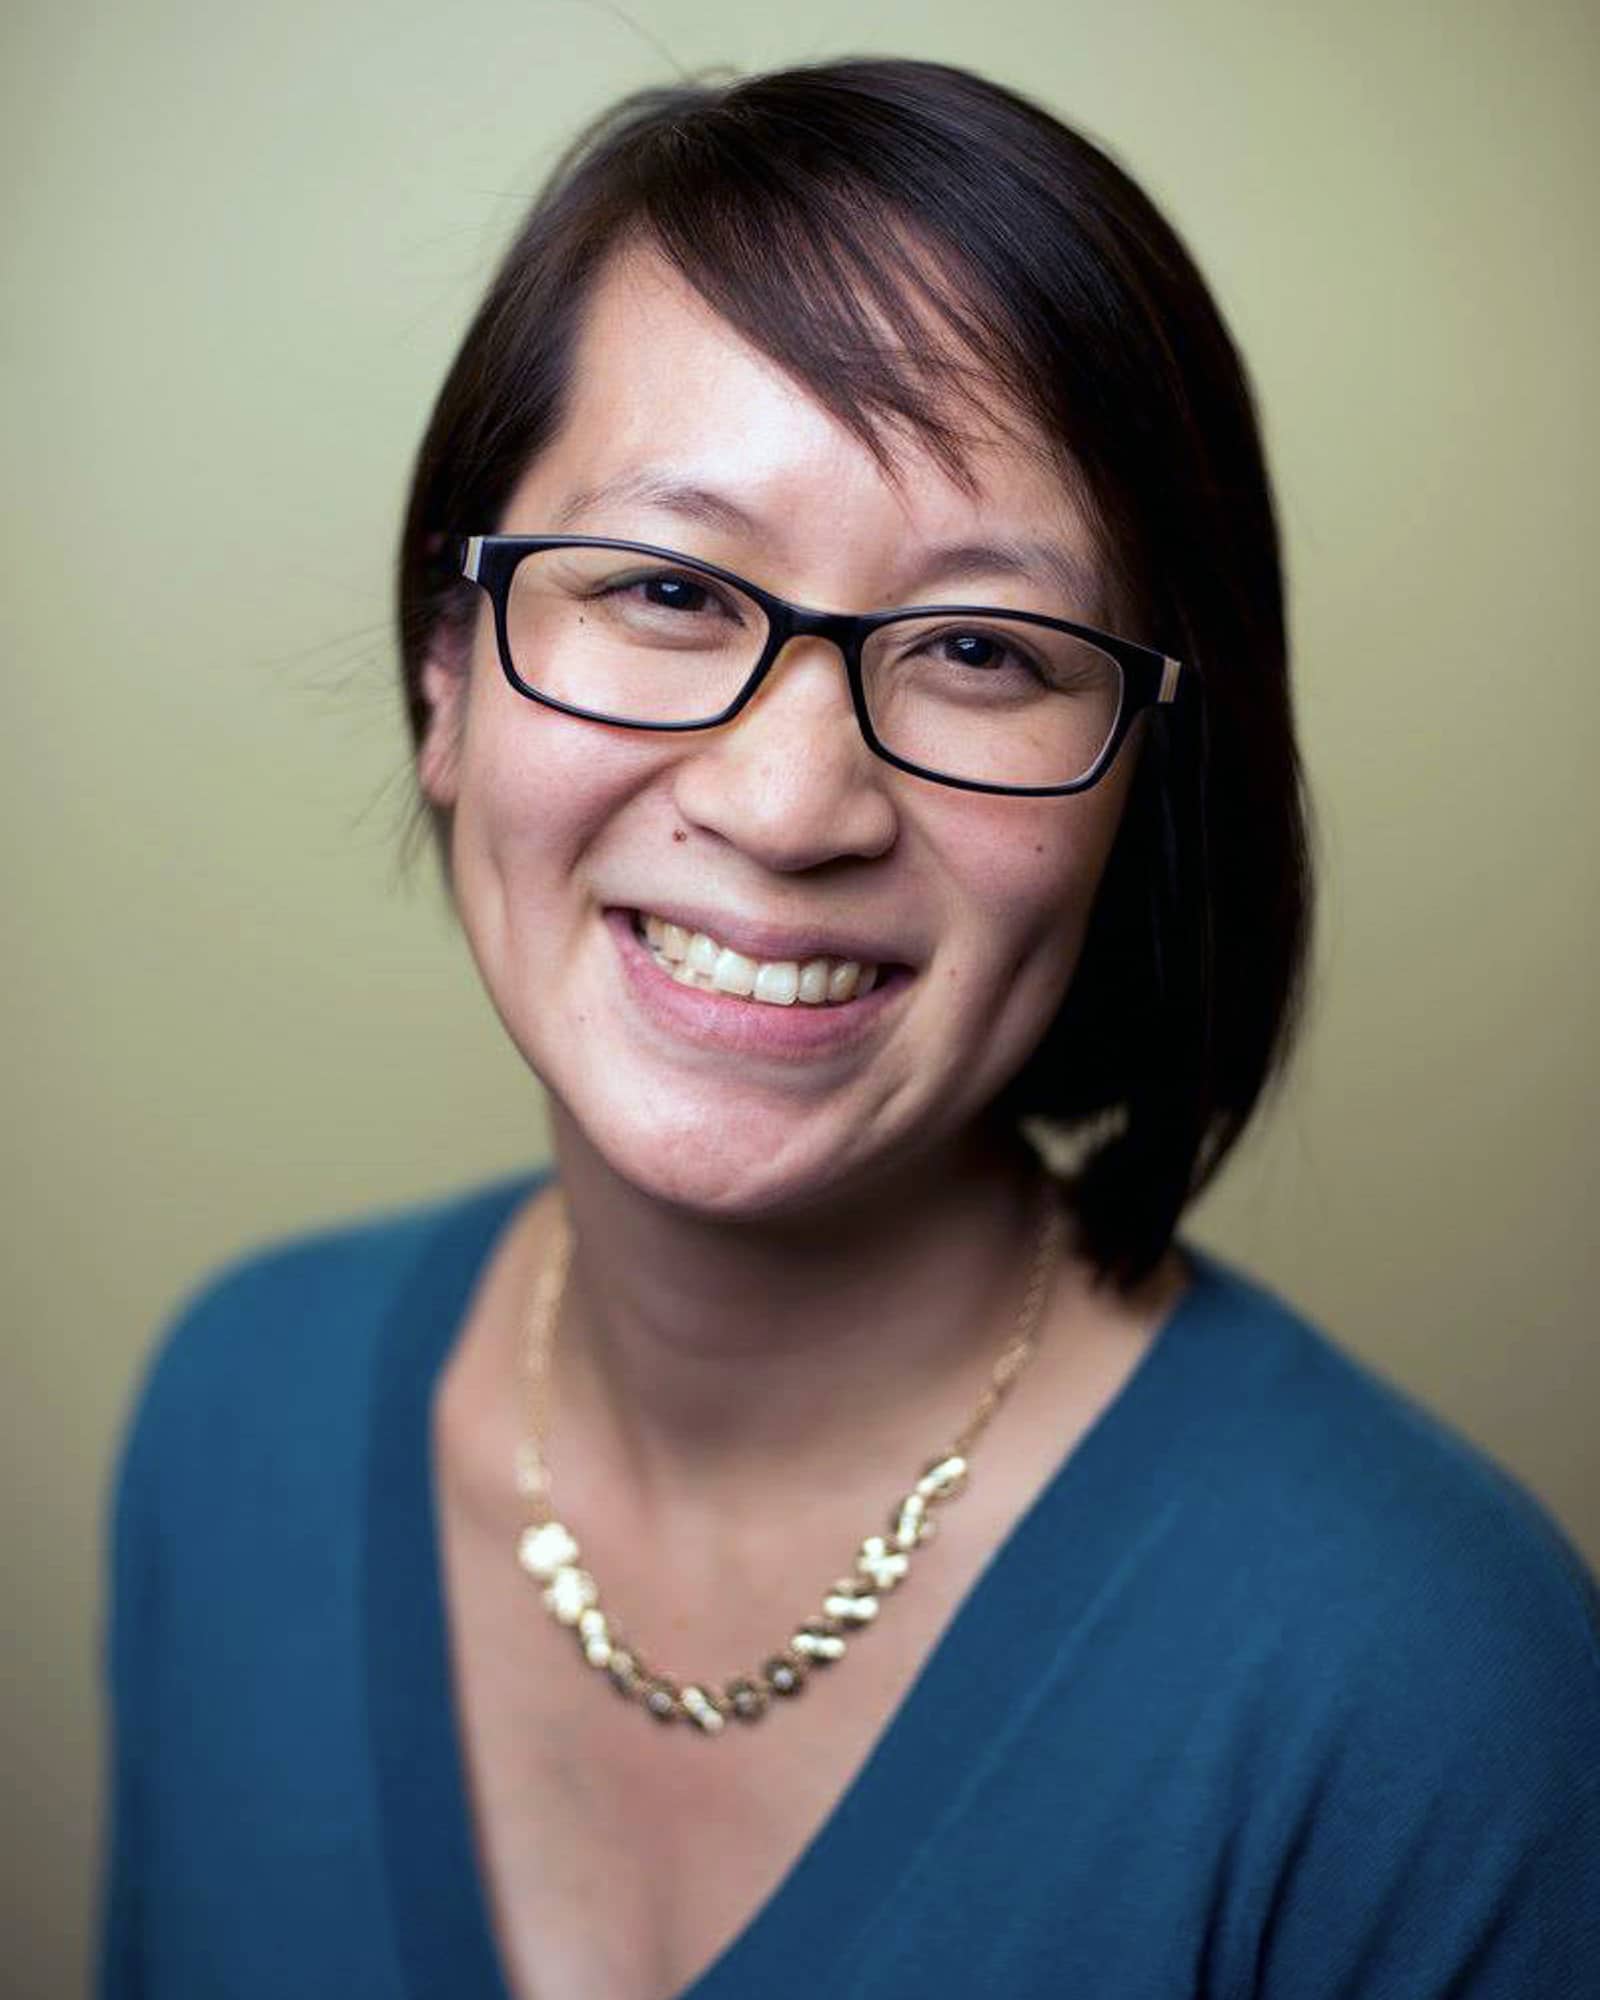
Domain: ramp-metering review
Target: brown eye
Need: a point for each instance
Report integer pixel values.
(677, 593)
(976, 649)
(669, 591)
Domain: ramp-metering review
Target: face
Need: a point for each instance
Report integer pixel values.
(779, 836)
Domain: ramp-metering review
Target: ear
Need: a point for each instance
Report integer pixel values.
(444, 676)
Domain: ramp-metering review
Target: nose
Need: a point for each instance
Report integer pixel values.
(789, 781)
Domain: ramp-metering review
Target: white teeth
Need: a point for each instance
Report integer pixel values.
(778, 982)
(814, 981)
(733, 973)
(696, 959)
(842, 980)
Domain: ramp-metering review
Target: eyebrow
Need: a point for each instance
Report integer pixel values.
(955, 562)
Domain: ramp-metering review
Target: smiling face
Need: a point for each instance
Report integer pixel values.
(779, 836)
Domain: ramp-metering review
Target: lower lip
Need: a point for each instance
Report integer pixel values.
(753, 1027)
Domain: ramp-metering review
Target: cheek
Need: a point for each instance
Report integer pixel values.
(1037, 890)
(1029, 875)
(539, 788)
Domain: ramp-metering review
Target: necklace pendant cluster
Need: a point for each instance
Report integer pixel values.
(549, 1553)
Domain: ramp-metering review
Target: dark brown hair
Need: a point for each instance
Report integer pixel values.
(901, 235)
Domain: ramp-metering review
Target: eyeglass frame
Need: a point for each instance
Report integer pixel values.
(1149, 678)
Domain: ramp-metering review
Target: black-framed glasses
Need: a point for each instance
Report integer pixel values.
(985, 699)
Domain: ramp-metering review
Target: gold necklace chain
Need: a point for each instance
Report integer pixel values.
(549, 1552)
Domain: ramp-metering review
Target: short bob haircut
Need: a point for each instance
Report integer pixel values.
(907, 239)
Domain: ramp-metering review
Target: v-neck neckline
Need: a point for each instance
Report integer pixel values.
(1107, 1495)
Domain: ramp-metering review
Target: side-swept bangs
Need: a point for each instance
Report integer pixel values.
(919, 247)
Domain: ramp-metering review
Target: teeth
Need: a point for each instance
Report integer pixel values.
(778, 982)
(694, 959)
(814, 981)
(733, 973)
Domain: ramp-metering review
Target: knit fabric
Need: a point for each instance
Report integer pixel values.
(1280, 1690)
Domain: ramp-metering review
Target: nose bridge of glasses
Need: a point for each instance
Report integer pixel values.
(789, 622)
(796, 621)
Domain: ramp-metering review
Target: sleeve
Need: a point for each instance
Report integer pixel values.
(1448, 1846)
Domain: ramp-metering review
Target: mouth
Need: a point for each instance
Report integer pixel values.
(697, 959)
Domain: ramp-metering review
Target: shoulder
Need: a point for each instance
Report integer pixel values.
(288, 1325)
(1418, 1642)
(1344, 1495)
(1356, 1484)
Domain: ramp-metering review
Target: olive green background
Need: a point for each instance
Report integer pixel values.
(240, 245)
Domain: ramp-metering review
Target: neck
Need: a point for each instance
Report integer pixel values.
(713, 1356)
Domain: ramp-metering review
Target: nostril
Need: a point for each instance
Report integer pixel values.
(792, 788)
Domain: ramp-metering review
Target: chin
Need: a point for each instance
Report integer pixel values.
(725, 1169)
(719, 1158)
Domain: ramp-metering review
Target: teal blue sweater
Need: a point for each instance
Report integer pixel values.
(1279, 1689)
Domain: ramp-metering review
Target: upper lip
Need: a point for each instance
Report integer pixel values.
(755, 938)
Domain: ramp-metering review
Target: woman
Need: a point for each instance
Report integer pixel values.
(537, 1592)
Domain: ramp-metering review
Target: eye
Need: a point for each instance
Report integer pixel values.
(670, 592)
(978, 649)
(984, 654)
(675, 593)
(996, 661)
(668, 610)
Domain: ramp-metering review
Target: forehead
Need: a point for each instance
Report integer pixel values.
(663, 392)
